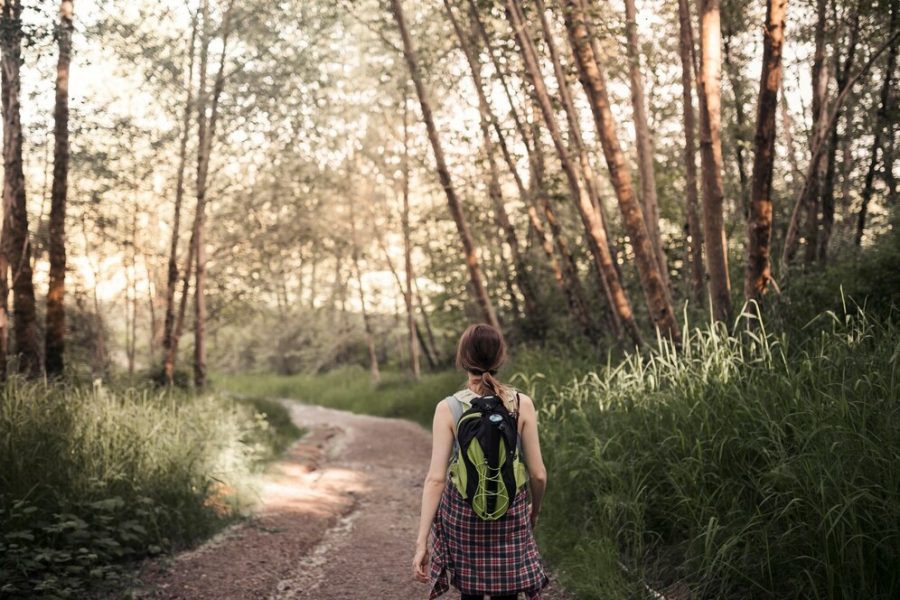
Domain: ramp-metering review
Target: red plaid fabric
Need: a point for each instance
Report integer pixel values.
(484, 557)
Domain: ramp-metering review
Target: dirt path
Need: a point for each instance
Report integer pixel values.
(337, 521)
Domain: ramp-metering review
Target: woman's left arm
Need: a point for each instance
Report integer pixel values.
(441, 446)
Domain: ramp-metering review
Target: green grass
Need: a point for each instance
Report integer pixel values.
(744, 466)
(350, 388)
(91, 480)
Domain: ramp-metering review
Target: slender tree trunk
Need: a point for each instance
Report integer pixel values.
(527, 196)
(881, 122)
(432, 343)
(55, 336)
(655, 291)
(500, 74)
(28, 346)
(810, 201)
(411, 326)
(787, 125)
(486, 118)
(842, 76)
(568, 275)
(131, 344)
(367, 324)
(644, 140)
(169, 340)
(695, 231)
(709, 93)
(151, 306)
(590, 181)
(742, 128)
(205, 138)
(759, 227)
(819, 144)
(595, 233)
(470, 251)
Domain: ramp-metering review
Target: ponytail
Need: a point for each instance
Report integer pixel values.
(481, 352)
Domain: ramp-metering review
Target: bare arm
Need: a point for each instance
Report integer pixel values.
(531, 445)
(441, 446)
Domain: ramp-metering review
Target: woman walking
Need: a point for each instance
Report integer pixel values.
(481, 557)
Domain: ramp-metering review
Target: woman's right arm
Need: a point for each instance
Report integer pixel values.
(441, 447)
(531, 445)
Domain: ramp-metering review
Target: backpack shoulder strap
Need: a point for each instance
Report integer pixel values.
(456, 408)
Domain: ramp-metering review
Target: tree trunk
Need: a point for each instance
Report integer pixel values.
(759, 226)
(205, 137)
(810, 201)
(367, 324)
(695, 232)
(432, 342)
(590, 181)
(709, 94)
(740, 139)
(486, 119)
(500, 74)
(655, 291)
(882, 121)
(470, 251)
(567, 277)
(527, 196)
(169, 340)
(54, 344)
(826, 122)
(842, 76)
(412, 340)
(787, 125)
(18, 250)
(596, 235)
(131, 291)
(644, 140)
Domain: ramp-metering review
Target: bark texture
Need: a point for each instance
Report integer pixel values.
(709, 93)
(694, 229)
(759, 227)
(17, 246)
(655, 291)
(55, 337)
(595, 233)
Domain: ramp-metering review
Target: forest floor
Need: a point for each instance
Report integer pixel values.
(337, 519)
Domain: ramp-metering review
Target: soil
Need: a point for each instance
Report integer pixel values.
(337, 520)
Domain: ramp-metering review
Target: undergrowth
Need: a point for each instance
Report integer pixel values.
(94, 479)
(741, 466)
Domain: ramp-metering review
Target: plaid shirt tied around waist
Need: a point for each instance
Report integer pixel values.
(484, 557)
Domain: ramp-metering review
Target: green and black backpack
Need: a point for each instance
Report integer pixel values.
(486, 464)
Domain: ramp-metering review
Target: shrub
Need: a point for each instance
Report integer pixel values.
(91, 479)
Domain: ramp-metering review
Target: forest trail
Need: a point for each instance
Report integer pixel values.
(337, 520)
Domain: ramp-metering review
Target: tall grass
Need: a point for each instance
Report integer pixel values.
(91, 479)
(741, 465)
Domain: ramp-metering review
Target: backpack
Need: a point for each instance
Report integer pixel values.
(485, 465)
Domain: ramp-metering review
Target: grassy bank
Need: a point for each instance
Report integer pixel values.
(744, 467)
(92, 479)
